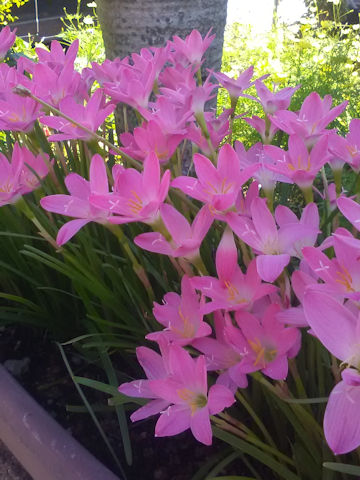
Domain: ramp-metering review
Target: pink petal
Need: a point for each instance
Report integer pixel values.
(226, 256)
(342, 418)
(176, 223)
(151, 408)
(263, 220)
(174, 420)
(219, 398)
(269, 267)
(68, 230)
(151, 362)
(77, 186)
(201, 427)
(98, 176)
(66, 205)
(332, 323)
(351, 210)
(154, 242)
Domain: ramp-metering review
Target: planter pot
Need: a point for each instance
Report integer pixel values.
(39, 443)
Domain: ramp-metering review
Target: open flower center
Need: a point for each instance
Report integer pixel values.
(135, 203)
(264, 353)
(194, 400)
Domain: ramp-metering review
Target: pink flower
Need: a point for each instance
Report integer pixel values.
(236, 86)
(57, 58)
(218, 128)
(155, 366)
(256, 155)
(191, 49)
(341, 275)
(220, 355)
(185, 238)
(233, 290)
(274, 246)
(137, 196)
(18, 113)
(91, 116)
(10, 177)
(338, 330)
(7, 38)
(218, 186)
(310, 123)
(267, 133)
(191, 402)
(351, 210)
(150, 137)
(348, 149)
(133, 86)
(274, 101)
(77, 204)
(181, 315)
(297, 164)
(16, 178)
(35, 168)
(53, 87)
(270, 343)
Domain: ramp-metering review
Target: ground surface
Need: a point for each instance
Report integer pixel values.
(37, 363)
(10, 469)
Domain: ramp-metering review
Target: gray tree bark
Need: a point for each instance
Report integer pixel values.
(129, 25)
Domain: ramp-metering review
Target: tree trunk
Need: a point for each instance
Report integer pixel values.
(129, 25)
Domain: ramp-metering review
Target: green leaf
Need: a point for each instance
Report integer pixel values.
(254, 452)
(343, 468)
(100, 386)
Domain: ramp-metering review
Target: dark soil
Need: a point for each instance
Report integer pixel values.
(45, 377)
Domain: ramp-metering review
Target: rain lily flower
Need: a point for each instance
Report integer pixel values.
(275, 247)
(267, 132)
(137, 196)
(274, 101)
(297, 164)
(150, 137)
(155, 366)
(7, 38)
(217, 127)
(218, 186)
(348, 149)
(18, 113)
(270, 343)
(91, 116)
(77, 204)
(220, 355)
(256, 155)
(310, 123)
(10, 177)
(56, 58)
(337, 328)
(185, 238)
(191, 402)
(133, 86)
(351, 210)
(181, 315)
(16, 178)
(236, 86)
(52, 87)
(233, 290)
(341, 275)
(192, 49)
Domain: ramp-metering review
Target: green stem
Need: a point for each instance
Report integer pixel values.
(138, 269)
(308, 195)
(256, 418)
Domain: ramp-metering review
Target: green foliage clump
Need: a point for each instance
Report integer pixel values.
(320, 58)
(6, 14)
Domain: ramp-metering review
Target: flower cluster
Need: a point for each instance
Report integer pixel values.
(274, 273)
